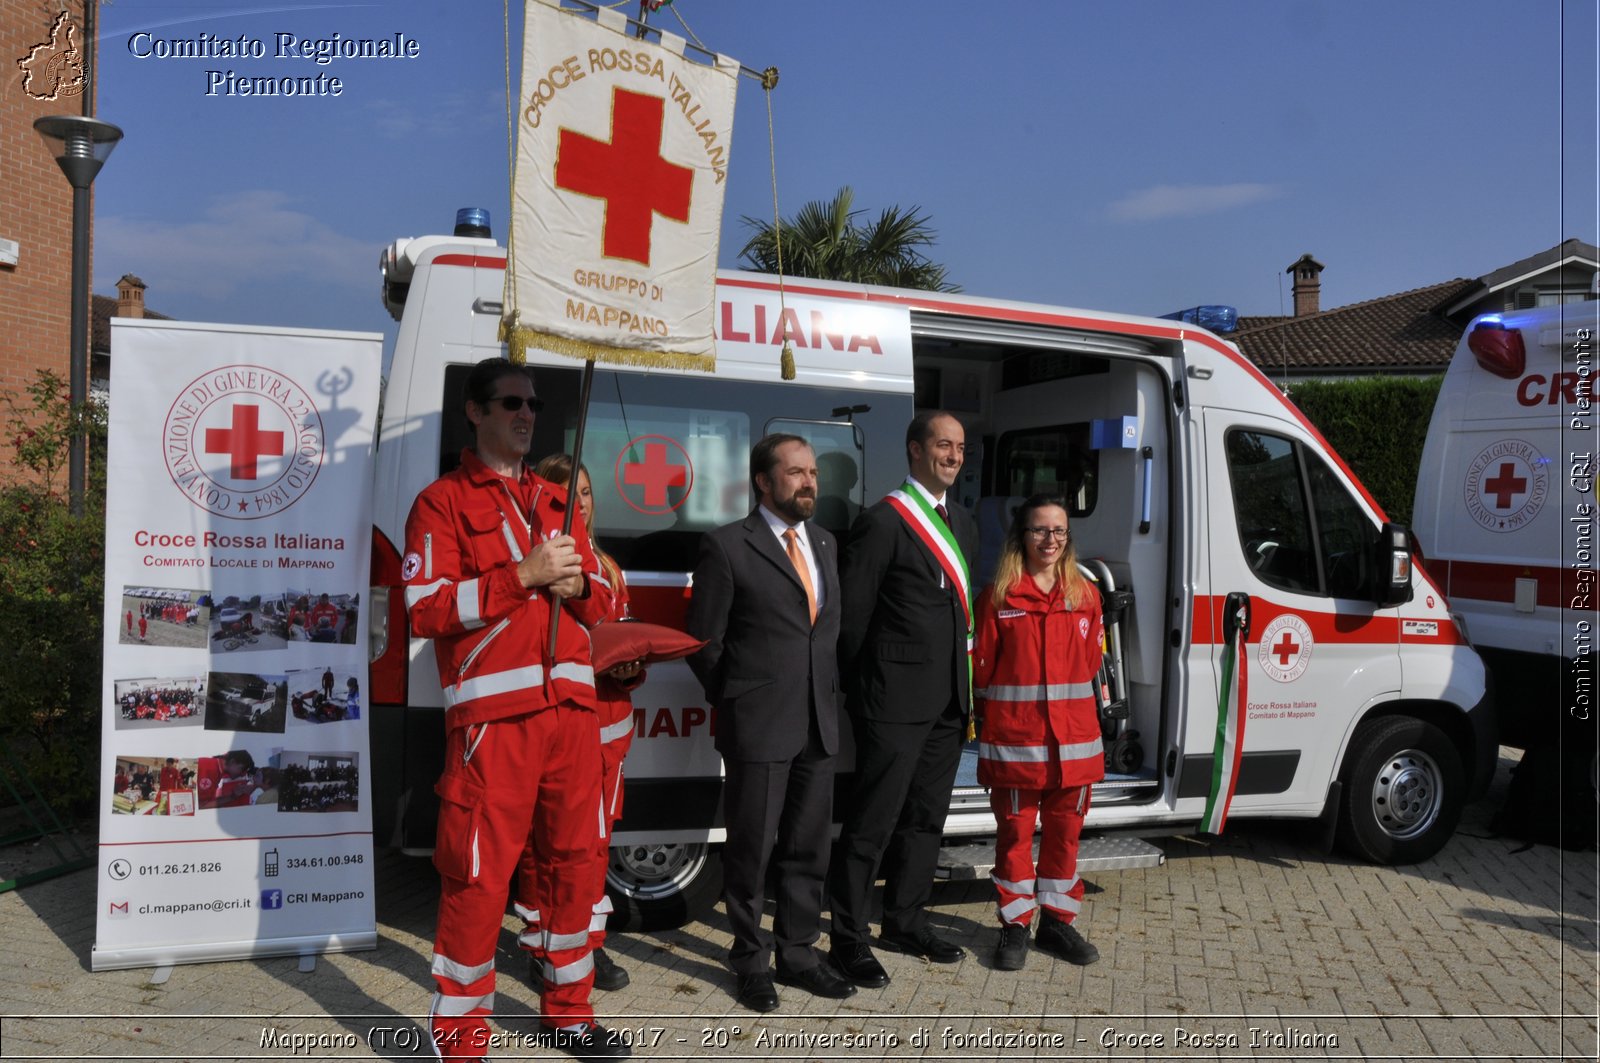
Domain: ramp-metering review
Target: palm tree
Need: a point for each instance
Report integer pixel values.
(824, 240)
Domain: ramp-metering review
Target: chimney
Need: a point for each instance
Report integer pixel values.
(130, 296)
(1307, 273)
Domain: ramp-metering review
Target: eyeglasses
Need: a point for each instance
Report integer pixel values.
(1060, 535)
(513, 403)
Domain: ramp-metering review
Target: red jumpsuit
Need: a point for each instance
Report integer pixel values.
(1035, 664)
(521, 742)
(614, 703)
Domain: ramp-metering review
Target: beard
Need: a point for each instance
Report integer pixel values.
(796, 508)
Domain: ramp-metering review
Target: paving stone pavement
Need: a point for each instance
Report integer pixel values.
(1253, 946)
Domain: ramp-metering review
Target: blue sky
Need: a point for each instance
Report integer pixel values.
(1139, 156)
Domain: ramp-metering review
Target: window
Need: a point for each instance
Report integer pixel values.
(669, 455)
(1055, 460)
(1299, 527)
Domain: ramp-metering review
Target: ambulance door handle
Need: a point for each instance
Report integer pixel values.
(1148, 453)
(487, 306)
(1235, 616)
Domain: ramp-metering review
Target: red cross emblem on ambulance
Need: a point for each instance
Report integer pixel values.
(1284, 651)
(654, 474)
(1506, 485)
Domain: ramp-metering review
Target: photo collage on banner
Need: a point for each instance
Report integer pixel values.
(235, 817)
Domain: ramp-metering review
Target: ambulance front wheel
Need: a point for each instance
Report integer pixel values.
(657, 887)
(1403, 791)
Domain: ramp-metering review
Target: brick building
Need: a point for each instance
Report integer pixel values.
(43, 56)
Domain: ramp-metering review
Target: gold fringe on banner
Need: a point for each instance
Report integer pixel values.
(519, 338)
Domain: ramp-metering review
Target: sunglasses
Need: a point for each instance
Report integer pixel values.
(513, 403)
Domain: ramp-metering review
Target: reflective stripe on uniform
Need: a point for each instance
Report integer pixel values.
(1056, 893)
(573, 672)
(418, 591)
(1014, 754)
(460, 973)
(576, 971)
(467, 604)
(1024, 887)
(455, 1007)
(557, 942)
(1040, 692)
(1080, 750)
(1018, 910)
(484, 686)
(617, 731)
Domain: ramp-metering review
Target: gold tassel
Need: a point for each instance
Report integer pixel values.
(787, 361)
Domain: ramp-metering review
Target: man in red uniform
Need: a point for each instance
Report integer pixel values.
(324, 616)
(486, 568)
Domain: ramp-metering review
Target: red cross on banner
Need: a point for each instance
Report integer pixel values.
(245, 442)
(628, 173)
(622, 157)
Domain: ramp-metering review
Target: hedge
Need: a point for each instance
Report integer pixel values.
(1377, 425)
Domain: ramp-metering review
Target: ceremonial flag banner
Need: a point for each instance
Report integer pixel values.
(622, 159)
(235, 808)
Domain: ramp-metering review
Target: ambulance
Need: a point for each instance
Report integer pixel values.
(1192, 483)
(1505, 514)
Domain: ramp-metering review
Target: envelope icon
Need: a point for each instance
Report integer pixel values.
(119, 909)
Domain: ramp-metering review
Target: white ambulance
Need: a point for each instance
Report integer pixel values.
(1191, 479)
(1505, 513)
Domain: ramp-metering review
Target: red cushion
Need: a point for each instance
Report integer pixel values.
(634, 640)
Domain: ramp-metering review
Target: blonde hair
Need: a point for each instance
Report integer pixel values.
(557, 468)
(1013, 556)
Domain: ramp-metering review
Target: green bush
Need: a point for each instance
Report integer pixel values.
(1377, 425)
(52, 595)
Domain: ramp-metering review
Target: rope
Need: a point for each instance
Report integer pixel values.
(698, 42)
(769, 81)
(508, 313)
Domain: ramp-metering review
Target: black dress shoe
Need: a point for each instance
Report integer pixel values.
(756, 992)
(819, 980)
(924, 943)
(856, 962)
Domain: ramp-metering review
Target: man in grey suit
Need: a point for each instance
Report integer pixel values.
(766, 600)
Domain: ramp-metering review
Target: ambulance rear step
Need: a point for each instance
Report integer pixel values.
(975, 860)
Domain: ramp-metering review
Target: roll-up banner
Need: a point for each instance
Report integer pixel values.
(235, 777)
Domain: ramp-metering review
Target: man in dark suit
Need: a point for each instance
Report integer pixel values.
(903, 651)
(766, 600)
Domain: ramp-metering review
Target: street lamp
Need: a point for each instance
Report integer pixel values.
(81, 146)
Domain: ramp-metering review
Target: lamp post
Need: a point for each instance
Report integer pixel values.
(80, 145)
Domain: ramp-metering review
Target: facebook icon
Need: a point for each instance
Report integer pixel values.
(271, 899)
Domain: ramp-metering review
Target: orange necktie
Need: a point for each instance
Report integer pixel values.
(791, 540)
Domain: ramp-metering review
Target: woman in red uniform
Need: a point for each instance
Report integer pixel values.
(614, 704)
(1035, 665)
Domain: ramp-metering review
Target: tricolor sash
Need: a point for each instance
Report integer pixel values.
(935, 534)
(1231, 707)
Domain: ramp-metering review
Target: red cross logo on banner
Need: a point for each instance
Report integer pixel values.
(245, 442)
(666, 465)
(628, 173)
(1505, 486)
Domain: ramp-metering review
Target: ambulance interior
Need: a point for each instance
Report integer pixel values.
(1072, 419)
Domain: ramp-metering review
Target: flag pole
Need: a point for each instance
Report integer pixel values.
(572, 487)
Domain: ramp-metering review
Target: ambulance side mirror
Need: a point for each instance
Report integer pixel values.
(1392, 566)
